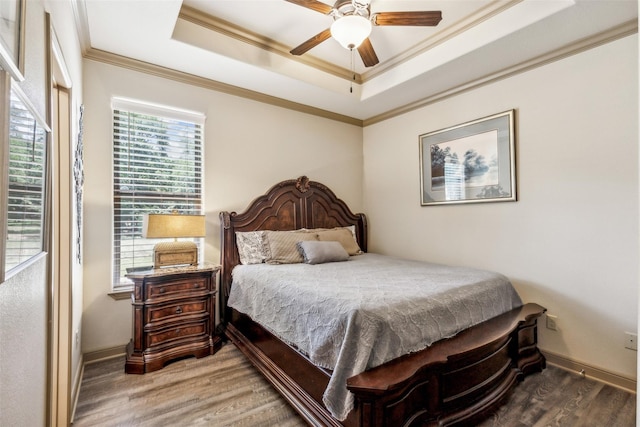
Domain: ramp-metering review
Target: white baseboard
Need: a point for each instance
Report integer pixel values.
(580, 368)
(76, 388)
(107, 353)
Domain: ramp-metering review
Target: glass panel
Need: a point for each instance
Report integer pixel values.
(25, 213)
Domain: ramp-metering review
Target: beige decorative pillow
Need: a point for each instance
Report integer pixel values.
(281, 246)
(351, 228)
(342, 235)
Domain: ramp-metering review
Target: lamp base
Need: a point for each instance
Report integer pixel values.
(167, 254)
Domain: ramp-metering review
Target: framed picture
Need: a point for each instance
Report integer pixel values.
(469, 163)
(12, 18)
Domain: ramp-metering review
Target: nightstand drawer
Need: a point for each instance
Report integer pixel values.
(175, 333)
(176, 288)
(176, 311)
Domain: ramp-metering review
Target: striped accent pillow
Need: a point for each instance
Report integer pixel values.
(281, 247)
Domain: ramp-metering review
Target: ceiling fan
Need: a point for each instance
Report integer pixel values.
(352, 25)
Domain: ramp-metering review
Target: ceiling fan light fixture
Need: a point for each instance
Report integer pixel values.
(351, 30)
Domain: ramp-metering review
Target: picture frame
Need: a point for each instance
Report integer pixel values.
(12, 27)
(472, 162)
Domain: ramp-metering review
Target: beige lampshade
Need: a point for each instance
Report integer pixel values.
(161, 226)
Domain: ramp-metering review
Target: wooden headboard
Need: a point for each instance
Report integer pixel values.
(288, 205)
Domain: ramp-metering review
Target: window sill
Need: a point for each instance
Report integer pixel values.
(120, 295)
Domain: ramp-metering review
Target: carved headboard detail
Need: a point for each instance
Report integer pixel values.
(288, 205)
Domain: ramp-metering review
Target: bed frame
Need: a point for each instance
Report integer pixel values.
(455, 381)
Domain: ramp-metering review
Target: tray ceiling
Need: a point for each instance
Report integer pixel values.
(246, 43)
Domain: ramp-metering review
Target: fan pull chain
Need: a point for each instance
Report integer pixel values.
(353, 70)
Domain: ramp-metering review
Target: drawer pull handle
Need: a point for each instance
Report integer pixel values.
(178, 331)
(178, 310)
(196, 285)
(162, 290)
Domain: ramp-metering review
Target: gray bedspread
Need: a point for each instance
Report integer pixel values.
(353, 315)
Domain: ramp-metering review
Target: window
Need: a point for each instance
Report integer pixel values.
(26, 178)
(157, 164)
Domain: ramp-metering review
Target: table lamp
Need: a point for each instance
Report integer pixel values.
(162, 226)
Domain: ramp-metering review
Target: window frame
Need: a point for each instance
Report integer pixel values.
(118, 284)
(7, 86)
(5, 96)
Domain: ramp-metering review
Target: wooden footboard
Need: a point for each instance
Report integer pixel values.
(455, 381)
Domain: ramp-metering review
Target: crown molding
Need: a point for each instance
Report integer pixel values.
(490, 10)
(182, 77)
(241, 34)
(235, 32)
(613, 34)
(79, 9)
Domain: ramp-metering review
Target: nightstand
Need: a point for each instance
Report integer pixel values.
(173, 316)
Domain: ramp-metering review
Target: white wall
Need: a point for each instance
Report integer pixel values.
(249, 146)
(23, 347)
(570, 242)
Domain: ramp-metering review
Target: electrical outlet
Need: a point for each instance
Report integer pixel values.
(77, 338)
(631, 341)
(552, 322)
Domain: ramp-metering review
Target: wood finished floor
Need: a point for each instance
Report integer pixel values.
(225, 390)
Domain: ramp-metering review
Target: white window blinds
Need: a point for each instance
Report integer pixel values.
(27, 161)
(157, 164)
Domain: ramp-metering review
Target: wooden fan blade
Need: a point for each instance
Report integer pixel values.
(367, 53)
(407, 18)
(313, 5)
(312, 42)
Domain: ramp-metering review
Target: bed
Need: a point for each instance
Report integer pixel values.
(455, 380)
